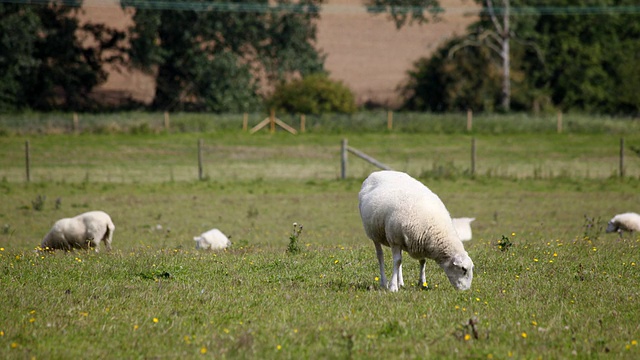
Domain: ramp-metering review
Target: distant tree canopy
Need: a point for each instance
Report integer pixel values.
(405, 12)
(206, 56)
(43, 63)
(211, 60)
(591, 58)
(225, 56)
(564, 54)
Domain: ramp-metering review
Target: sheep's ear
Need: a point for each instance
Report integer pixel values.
(457, 260)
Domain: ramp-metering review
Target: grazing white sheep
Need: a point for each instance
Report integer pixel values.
(629, 221)
(213, 239)
(400, 212)
(463, 227)
(84, 231)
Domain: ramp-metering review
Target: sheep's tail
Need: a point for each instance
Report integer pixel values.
(108, 234)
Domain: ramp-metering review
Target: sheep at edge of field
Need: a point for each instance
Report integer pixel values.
(463, 227)
(400, 212)
(213, 239)
(629, 221)
(84, 231)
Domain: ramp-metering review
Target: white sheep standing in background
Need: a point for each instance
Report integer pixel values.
(84, 231)
(463, 227)
(213, 239)
(629, 221)
(400, 212)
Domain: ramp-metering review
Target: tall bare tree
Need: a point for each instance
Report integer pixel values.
(498, 40)
(495, 32)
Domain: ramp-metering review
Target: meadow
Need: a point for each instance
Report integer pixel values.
(549, 283)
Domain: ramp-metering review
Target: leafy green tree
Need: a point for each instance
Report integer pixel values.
(560, 53)
(494, 31)
(403, 12)
(314, 94)
(45, 63)
(208, 55)
(443, 83)
(592, 55)
(17, 46)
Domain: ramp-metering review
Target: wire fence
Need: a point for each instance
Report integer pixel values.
(366, 121)
(168, 158)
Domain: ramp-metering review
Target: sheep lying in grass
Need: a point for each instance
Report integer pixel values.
(400, 212)
(629, 221)
(463, 227)
(213, 239)
(81, 232)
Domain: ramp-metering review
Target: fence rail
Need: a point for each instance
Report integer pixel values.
(343, 158)
(144, 159)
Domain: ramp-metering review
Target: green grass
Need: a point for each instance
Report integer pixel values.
(231, 156)
(361, 122)
(564, 289)
(564, 283)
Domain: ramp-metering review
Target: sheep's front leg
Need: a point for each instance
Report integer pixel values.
(380, 255)
(400, 278)
(423, 277)
(397, 265)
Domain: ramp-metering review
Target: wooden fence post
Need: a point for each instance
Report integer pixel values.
(167, 123)
(27, 155)
(245, 121)
(272, 120)
(200, 176)
(621, 157)
(302, 123)
(343, 161)
(559, 125)
(473, 157)
(389, 120)
(469, 119)
(76, 123)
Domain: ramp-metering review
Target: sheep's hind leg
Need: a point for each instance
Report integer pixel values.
(423, 277)
(108, 237)
(397, 264)
(380, 255)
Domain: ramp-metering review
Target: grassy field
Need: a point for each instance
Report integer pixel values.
(233, 156)
(564, 288)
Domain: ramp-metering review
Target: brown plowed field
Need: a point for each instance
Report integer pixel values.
(365, 52)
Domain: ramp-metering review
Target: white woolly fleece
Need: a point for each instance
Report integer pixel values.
(400, 212)
(80, 232)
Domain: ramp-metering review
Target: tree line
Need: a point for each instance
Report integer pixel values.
(521, 55)
(528, 55)
(201, 60)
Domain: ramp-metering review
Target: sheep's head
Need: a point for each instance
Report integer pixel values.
(459, 270)
(201, 243)
(614, 226)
